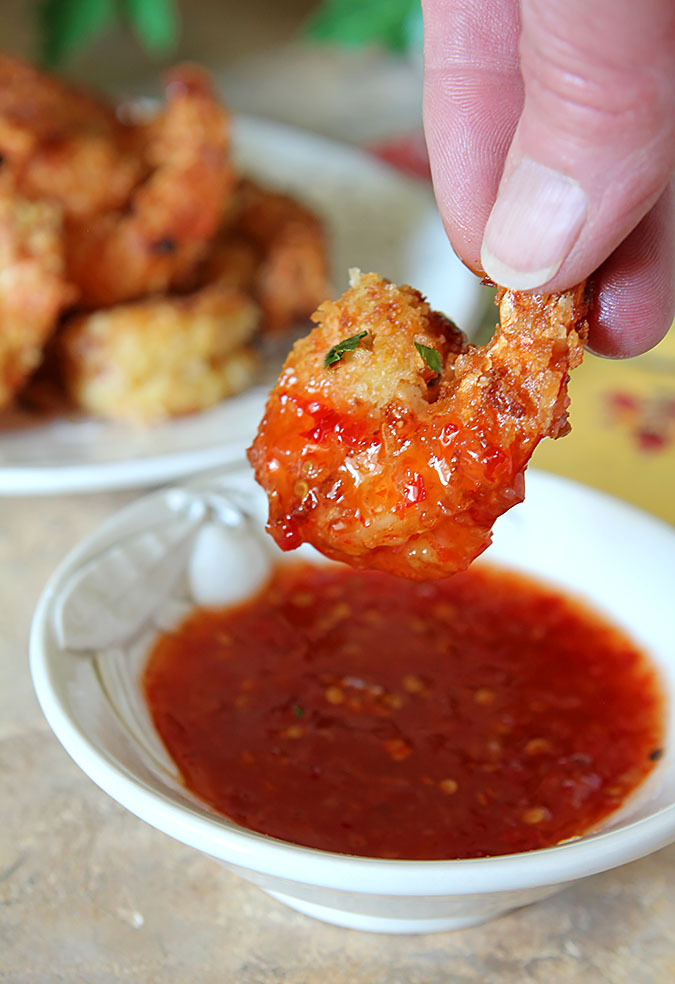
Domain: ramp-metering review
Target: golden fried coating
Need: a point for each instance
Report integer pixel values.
(161, 357)
(154, 242)
(277, 249)
(394, 458)
(33, 289)
(99, 210)
(61, 144)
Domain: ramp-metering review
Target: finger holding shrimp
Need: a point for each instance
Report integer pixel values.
(551, 143)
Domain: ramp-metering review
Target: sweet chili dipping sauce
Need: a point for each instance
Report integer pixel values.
(360, 713)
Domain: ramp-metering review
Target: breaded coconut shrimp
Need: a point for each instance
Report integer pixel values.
(388, 443)
(60, 144)
(33, 288)
(160, 357)
(153, 242)
(277, 248)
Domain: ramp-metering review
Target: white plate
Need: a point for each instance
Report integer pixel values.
(376, 219)
(138, 573)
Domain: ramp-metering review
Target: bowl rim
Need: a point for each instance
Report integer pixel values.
(260, 853)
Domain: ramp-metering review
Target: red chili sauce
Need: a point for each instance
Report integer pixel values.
(369, 715)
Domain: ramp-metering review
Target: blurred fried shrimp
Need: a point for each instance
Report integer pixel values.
(33, 288)
(154, 242)
(160, 357)
(277, 247)
(61, 144)
(233, 260)
(398, 459)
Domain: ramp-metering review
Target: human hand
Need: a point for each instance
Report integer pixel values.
(551, 133)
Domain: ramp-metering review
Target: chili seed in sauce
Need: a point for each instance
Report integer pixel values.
(517, 719)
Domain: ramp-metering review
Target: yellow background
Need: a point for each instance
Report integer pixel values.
(604, 449)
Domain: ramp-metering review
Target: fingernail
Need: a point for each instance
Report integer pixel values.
(533, 225)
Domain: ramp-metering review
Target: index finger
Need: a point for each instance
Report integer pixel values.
(473, 97)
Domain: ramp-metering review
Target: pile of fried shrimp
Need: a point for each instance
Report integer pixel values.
(137, 266)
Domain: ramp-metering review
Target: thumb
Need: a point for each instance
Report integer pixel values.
(595, 144)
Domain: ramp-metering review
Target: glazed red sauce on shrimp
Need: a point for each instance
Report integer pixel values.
(355, 712)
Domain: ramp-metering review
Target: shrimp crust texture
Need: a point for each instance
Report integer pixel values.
(402, 452)
(33, 287)
(155, 239)
(162, 356)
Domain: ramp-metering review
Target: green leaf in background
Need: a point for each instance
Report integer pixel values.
(390, 23)
(155, 22)
(67, 24)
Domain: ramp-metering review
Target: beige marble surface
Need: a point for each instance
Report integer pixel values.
(90, 894)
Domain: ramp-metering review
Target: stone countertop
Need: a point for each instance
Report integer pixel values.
(91, 894)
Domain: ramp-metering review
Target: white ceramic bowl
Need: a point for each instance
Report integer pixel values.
(103, 606)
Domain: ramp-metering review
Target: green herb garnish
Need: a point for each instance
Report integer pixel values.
(297, 710)
(432, 359)
(346, 345)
